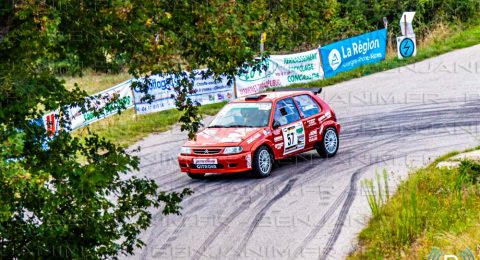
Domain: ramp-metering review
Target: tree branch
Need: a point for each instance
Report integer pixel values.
(4, 29)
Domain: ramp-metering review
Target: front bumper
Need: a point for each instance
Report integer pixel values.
(225, 163)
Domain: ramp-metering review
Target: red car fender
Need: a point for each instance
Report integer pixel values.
(328, 124)
(266, 142)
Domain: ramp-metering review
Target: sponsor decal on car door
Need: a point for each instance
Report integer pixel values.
(311, 128)
(293, 138)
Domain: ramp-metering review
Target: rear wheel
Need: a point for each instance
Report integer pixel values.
(328, 147)
(262, 162)
(196, 175)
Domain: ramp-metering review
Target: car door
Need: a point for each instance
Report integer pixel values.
(289, 136)
(310, 111)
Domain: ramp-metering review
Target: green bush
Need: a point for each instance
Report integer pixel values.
(368, 15)
(469, 171)
(335, 20)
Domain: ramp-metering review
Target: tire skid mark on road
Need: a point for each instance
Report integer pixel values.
(191, 199)
(436, 124)
(158, 215)
(217, 185)
(154, 163)
(431, 107)
(270, 181)
(400, 120)
(168, 178)
(243, 206)
(174, 235)
(285, 176)
(180, 181)
(144, 252)
(319, 225)
(345, 208)
(262, 213)
(182, 139)
(343, 214)
(340, 198)
(170, 239)
(304, 170)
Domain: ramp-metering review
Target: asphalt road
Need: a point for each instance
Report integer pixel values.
(313, 208)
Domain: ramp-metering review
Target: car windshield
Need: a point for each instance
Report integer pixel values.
(243, 115)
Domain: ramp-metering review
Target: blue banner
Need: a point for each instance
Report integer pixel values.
(348, 54)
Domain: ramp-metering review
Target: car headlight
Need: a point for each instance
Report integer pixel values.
(232, 150)
(185, 150)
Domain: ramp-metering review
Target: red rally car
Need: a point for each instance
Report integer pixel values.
(250, 133)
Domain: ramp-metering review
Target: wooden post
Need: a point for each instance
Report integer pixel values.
(234, 88)
(389, 38)
(321, 63)
(320, 58)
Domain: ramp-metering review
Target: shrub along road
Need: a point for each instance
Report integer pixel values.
(309, 207)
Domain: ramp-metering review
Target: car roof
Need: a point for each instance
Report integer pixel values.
(270, 96)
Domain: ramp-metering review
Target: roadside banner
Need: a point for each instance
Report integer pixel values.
(207, 91)
(280, 71)
(123, 94)
(350, 53)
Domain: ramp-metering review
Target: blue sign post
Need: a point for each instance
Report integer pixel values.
(350, 53)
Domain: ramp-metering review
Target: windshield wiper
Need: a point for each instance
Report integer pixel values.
(241, 126)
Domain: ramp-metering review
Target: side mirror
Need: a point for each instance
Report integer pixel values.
(276, 124)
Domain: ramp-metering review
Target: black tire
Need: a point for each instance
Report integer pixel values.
(196, 176)
(262, 162)
(328, 147)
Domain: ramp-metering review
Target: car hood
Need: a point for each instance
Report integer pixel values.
(223, 136)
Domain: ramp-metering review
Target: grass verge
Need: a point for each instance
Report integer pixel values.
(126, 129)
(93, 82)
(433, 208)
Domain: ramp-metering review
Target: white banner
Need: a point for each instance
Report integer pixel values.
(123, 94)
(208, 91)
(281, 71)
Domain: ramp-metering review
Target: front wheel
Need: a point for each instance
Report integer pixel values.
(328, 147)
(262, 163)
